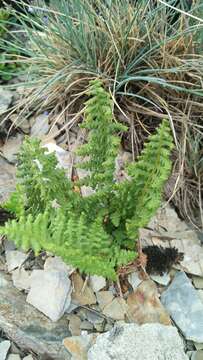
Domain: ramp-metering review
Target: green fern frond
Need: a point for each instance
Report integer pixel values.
(142, 194)
(96, 234)
(103, 143)
(15, 204)
(41, 180)
(29, 232)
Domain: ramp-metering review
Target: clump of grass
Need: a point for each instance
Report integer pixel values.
(8, 53)
(147, 56)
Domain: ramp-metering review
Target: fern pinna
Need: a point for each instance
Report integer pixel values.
(97, 233)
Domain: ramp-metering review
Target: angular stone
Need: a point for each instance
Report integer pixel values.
(20, 122)
(94, 318)
(9, 245)
(78, 346)
(161, 279)
(50, 292)
(5, 99)
(145, 306)
(82, 295)
(185, 307)
(74, 324)
(190, 354)
(198, 355)
(71, 307)
(116, 310)
(100, 327)
(13, 357)
(55, 263)
(28, 357)
(82, 173)
(109, 326)
(198, 282)
(166, 216)
(134, 280)
(15, 259)
(40, 126)
(4, 348)
(193, 254)
(30, 329)
(65, 158)
(104, 298)
(134, 342)
(7, 179)
(97, 282)
(11, 148)
(86, 325)
(3, 281)
(21, 279)
(198, 346)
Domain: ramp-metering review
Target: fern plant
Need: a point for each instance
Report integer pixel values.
(98, 233)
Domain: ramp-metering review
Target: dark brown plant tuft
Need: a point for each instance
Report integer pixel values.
(160, 259)
(5, 216)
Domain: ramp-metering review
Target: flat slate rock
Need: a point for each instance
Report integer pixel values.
(27, 327)
(185, 307)
(145, 306)
(5, 99)
(134, 342)
(7, 179)
(4, 348)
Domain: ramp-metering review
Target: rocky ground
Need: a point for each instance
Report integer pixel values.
(50, 311)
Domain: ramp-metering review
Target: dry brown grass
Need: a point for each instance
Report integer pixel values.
(151, 66)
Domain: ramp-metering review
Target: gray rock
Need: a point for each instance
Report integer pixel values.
(65, 158)
(74, 324)
(50, 292)
(86, 325)
(94, 318)
(185, 307)
(7, 179)
(55, 263)
(134, 342)
(198, 346)
(14, 259)
(21, 279)
(198, 355)
(100, 327)
(97, 282)
(104, 298)
(4, 348)
(82, 173)
(198, 282)
(9, 245)
(82, 294)
(108, 326)
(30, 329)
(28, 357)
(161, 279)
(5, 99)
(70, 308)
(190, 354)
(116, 310)
(3, 281)
(20, 122)
(40, 126)
(13, 357)
(12, 147)
(134, 280)
(78, 346)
